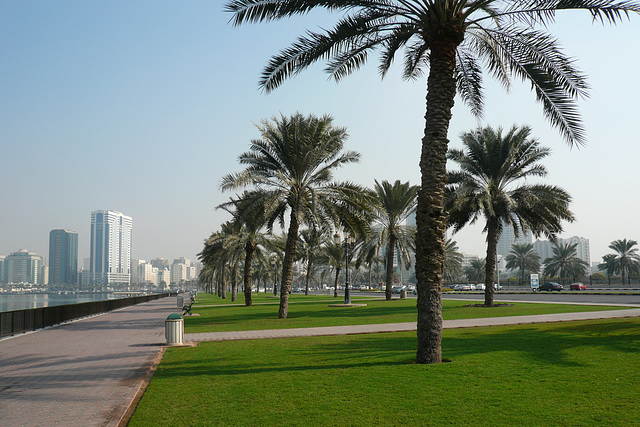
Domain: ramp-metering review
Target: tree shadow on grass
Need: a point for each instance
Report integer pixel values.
(547, 344)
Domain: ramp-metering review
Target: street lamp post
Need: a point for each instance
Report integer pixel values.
(336, 240)
(348, 243)
(275, 276)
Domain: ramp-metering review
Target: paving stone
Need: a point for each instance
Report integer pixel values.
(81, 373)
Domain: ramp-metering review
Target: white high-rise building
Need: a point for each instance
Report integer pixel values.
(110, 248)
(508, 238)
(582, 247)
(544, 248)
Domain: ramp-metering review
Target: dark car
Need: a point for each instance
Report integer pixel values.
(551, 286)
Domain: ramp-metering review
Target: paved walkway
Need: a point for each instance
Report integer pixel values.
(408, 326)
(84, 373)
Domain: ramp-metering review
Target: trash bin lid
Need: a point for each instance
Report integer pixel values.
(174, 316)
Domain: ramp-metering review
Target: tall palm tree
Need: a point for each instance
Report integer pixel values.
(626, 258)
(393, 204)
(523, 258)
(476, 270)
(452, 38)
(488, 185)
(291, 168)
(564, 262)
(452, 261)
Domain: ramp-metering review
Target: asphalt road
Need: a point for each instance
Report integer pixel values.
(617, 296)
(628, 298)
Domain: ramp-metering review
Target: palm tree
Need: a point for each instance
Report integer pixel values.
(626, 259)
(608, 265)
(248, 220)
(452, 261)
(564, 262)
(291, 168)
(393, 204)
(488, 185)
(476, 270)
(524, 258)
(218, 254)
(452, 38)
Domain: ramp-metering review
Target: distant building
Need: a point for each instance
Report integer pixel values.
(180, 270)
(467, 259)
(544, 248)
(164, 278)
(582, 247)
(508, 238)
(63, 257)
(144, 273)
(22, 267)
(160, 263)
(110, 248)
(135, 270)
(2, 278)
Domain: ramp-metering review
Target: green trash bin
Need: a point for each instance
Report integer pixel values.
(174, 329)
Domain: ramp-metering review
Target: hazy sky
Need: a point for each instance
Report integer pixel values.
(141, 107)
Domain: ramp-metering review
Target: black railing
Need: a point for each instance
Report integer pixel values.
(20, 321)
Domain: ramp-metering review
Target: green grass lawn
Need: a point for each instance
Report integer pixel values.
(314, 311)
(560, 374)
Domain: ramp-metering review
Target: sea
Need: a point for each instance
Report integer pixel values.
(10, 302)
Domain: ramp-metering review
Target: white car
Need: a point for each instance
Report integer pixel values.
(480, 287)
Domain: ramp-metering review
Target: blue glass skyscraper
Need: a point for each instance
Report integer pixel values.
(63, 257)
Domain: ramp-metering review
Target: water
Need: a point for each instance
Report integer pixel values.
(10, 302)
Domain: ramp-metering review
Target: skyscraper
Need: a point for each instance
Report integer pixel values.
(63, 257)
(508, 238)
(110, 248)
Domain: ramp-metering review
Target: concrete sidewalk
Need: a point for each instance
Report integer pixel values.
(408, 326)
(84, 373)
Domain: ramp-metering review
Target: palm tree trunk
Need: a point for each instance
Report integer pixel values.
(389, 273)
(309, 263)
(287, 264)
(248, 258)
(335, 284)
(234, 281)
(493, 234)
(431, 218)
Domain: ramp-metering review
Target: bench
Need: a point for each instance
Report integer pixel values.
(186, 309)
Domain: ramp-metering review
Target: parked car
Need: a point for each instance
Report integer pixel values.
(397, 289)
(578, 286)
(462, 287)
(480, 287)
(497, 287)
(551, 286)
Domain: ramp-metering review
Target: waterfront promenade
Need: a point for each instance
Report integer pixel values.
(83, 373)
(89, 372)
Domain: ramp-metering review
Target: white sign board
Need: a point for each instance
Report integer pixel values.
(534, 281)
